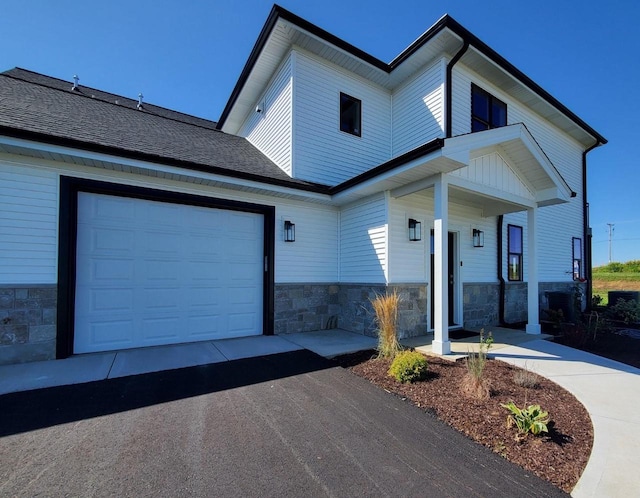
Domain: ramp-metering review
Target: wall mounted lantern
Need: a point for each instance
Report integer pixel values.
(478, 238)
(415, 230)
(289, 231)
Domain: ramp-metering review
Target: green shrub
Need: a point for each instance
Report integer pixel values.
(623, 311)
(386, 310)
(527, 420)
(409, 366)
(474, 383)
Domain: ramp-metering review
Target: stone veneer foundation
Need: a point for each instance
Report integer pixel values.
(28, 313)
(27, 323)
(306, 307)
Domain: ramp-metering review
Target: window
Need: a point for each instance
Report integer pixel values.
(577, 258)
(350, 114)
(486, 111)
(514, 269)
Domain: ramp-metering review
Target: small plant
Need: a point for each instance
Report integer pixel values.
(474, 383)
(409, 366)
(532, 420)
(386, 310)
(526, 378)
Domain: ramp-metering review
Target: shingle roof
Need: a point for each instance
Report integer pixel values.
(38, 107)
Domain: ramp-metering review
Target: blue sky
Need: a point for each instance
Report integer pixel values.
(187, 55)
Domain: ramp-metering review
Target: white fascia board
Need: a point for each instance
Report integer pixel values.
(98, 157)
(376, 184)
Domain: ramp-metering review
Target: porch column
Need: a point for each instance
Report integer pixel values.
(441, 343)
(533, 320)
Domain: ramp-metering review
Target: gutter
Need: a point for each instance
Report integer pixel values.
(449, 85)
(588, 263)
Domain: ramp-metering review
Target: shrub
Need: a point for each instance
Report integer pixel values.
(525, 378)
(386, 310)
(627, 312)
(474, 383)
(408, 366)
(527, 420)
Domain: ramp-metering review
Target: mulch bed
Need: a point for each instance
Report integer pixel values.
(559, 457)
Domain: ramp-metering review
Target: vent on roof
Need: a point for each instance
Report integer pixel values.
(75, 86)
(139, 106)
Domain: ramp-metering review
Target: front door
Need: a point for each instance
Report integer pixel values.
(451, 273)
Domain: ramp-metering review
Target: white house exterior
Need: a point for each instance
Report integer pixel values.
(129, 227)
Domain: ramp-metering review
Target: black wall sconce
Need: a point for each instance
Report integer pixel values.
(415, 230)
(289, 231)
(478, 238)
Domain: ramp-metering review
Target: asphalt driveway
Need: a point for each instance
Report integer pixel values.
(291, 424)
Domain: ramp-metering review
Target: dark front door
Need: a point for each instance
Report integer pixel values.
(451, 272)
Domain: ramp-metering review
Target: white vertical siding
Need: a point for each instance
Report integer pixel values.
(271, 130)
(557, 224)
(494, 171)
(418, 109)
(324, 154)
(28, 224)
(363, 241)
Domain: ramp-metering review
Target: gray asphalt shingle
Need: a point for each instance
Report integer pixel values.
(32, 103)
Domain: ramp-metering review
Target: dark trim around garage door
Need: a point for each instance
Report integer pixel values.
(67, 235)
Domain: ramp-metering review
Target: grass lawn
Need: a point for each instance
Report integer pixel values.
(603, 282)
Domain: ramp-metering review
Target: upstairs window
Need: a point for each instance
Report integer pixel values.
(350, 114)
(486, 111)
(577, 258)
(514, 241)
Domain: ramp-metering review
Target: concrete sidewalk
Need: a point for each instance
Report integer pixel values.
(110, 365)
(610, 391)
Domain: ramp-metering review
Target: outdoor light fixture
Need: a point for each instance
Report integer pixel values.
(289, 231)
(478, 238)
(415, 230)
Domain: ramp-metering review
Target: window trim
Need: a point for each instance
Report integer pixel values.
(577, 260)
(491, 98)
(512, 253)
(356, 132)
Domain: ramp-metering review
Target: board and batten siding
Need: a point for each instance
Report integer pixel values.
(28, 224)
(556, 224)
(410, 261)
(324, 154)
(418, 109)
(363, 241)
(271, 130)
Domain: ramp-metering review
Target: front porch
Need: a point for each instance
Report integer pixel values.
(460, 348)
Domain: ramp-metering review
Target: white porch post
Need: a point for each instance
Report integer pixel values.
(533, 321)
(441, 343)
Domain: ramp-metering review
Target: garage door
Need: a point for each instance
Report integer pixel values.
(151, 273)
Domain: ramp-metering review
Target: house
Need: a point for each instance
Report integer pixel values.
(446, 174)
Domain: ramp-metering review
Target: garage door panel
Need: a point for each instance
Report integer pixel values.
(160, 299)
(165, 274)
(160, 330)
(162, 270)
(104, 335)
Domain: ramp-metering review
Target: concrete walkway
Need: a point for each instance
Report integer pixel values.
(610, 391)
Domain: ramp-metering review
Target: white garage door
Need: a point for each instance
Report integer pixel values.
(151, 273)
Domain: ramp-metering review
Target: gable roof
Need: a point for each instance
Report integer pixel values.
(47, 110)
(283, 30)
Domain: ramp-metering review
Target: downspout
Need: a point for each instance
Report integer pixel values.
(449, 86)
(588, 271)
(501, 298)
